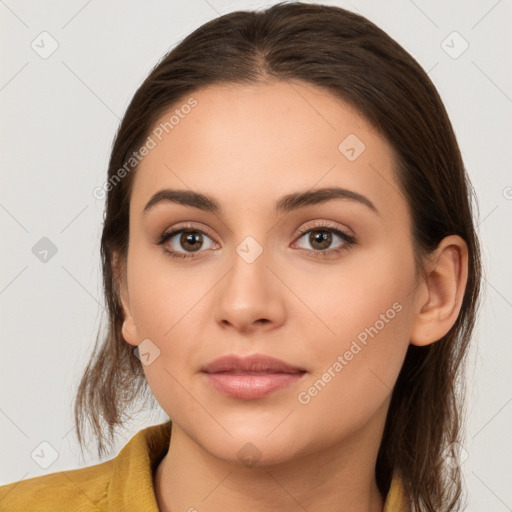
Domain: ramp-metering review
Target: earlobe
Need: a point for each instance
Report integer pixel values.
(445, 283)
(129, 330)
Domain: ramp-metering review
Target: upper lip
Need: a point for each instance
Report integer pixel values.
(253, 363)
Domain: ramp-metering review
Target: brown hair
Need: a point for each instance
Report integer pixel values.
(353, 59)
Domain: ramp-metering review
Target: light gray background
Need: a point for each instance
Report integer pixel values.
(59, 116)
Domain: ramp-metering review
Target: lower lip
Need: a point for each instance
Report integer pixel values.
(249, 387)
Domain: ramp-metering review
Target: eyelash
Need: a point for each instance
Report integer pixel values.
(348, 240)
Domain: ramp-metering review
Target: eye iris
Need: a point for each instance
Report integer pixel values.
(319, 237)
(189, 238)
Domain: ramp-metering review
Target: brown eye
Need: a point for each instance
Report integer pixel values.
(320, 240)
(191, 240)
(185, 242)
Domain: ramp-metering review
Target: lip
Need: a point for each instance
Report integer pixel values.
(250, 377)
(253, 363)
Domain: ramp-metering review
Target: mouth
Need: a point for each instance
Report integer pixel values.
(251, 377)
(255, 363)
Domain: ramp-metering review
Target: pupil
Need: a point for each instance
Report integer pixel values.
(321, 236)
(188, 238)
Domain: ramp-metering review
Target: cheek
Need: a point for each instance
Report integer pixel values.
(354, 372)
(354, 295)
(160, 295)
(357, 361)
(168, 306)
(165, 309)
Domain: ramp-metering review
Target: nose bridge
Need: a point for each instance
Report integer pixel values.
(249, 273)
(249, 292)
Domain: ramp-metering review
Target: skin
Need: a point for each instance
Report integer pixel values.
(247, 146)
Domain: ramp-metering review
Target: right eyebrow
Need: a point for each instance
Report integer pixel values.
(184, 197)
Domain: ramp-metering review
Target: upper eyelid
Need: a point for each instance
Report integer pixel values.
(323, 224)
(305, 228)
(186, 227)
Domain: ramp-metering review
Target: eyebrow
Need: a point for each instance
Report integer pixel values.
(284, 204)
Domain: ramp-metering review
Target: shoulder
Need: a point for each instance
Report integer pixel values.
(81, 490)
(122, 483)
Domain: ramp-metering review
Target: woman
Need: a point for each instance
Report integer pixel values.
(289, 250)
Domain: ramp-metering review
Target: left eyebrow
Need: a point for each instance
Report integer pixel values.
(286, 203)
(322, 195)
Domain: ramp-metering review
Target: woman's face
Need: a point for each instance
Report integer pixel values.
(258, 279)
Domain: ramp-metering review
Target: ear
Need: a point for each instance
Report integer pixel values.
(129, 330)
(439, 304)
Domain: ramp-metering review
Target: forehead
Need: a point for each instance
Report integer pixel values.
(257, 141)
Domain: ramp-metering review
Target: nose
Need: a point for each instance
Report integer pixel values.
(250, 296)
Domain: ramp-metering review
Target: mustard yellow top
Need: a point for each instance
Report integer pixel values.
(122, 484)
